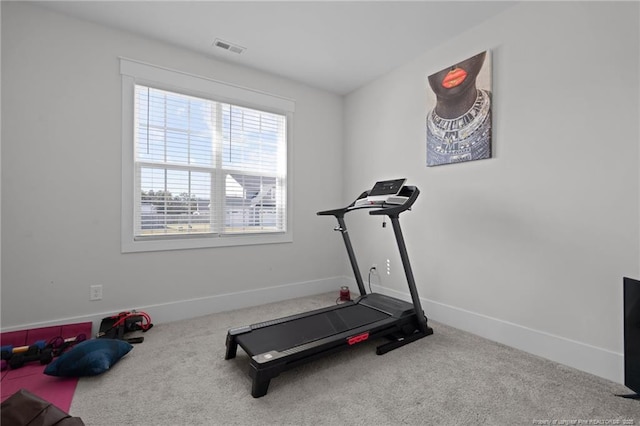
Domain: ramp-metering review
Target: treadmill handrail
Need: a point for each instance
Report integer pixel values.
(394, 210)
(384, 209)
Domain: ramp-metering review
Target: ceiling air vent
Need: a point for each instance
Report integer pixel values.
(228, 46)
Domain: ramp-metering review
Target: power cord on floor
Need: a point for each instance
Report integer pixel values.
(371, 270)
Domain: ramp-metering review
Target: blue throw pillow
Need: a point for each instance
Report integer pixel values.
(88, 358)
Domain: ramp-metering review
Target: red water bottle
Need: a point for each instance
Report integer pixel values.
(345, 295)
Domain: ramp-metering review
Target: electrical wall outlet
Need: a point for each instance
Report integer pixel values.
(95, 292)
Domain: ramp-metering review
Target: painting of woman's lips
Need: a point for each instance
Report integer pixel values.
(454, 78)
(458, 125)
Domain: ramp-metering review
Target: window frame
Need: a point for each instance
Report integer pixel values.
(139, 73)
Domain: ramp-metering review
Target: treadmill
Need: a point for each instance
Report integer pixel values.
(281, 344)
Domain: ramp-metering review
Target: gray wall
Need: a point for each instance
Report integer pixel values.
(61, 184)
(529, 247)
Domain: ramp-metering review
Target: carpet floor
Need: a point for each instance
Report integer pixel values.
(178, 376)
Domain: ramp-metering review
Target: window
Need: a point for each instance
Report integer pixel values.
(204, 163)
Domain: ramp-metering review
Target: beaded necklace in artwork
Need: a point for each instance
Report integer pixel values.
(463, 127)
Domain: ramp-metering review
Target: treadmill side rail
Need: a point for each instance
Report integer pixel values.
(240, 330)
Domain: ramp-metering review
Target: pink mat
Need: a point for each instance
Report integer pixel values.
(57, 390)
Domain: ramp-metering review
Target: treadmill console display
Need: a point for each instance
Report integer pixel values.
(387, 187)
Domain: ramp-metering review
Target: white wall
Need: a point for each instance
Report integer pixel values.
(61, 183)
(528, 248)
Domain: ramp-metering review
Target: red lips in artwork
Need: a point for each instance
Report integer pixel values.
(454, 78)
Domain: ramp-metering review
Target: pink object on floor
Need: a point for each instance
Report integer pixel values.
(57, 390)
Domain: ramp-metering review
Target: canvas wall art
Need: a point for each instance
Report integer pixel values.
(459, 117)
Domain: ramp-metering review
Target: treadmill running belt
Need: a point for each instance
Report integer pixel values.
(307, 329)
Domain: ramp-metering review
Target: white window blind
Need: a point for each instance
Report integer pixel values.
(206, 168)
(204, 162)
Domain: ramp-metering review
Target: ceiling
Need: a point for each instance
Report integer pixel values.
(332, 45)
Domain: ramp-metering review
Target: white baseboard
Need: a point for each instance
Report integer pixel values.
(591, 359)
(191, 308)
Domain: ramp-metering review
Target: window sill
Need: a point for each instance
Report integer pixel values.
(133, 246)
